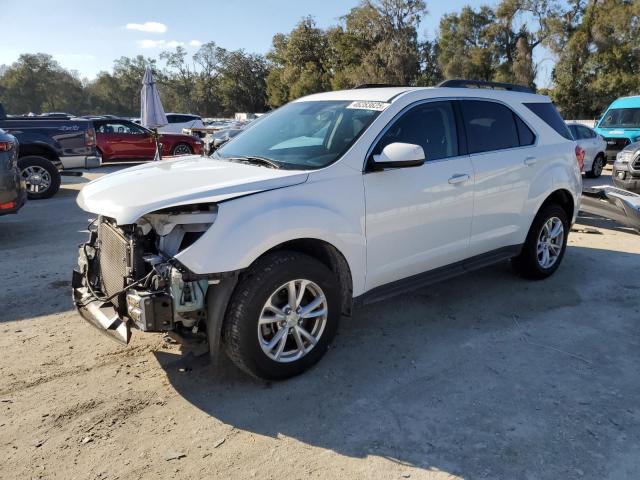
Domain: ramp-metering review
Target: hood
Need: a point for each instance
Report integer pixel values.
(128, 194)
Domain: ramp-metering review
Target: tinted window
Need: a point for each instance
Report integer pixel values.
(431, 125)
(526, 136)
(548, 113)
(490, 126)
(118, 127)
(574, 131)
(585, 132)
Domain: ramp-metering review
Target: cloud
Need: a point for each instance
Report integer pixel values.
(151, 27)
(151, 43)
(195, 43)
(160, 43)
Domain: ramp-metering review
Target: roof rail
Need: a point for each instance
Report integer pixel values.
(462, 83)
(376, 85)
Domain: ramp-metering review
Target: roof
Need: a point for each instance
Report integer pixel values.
(388, 94)
(626, 102)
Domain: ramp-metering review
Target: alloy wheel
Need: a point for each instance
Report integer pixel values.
(292, 320)
(550, 242)
(38, 180)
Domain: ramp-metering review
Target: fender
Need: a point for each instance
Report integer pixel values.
(247, 227)
(39, 140)
(559, 174)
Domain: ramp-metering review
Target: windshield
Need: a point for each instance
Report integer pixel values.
(621, 118)
(304, 135)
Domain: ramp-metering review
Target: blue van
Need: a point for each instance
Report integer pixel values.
(620, 125)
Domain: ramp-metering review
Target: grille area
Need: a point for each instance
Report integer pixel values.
(114, 260)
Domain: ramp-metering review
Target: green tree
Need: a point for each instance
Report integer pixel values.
(598, 55)
(299, 63)
(466, 44)
(37, 83)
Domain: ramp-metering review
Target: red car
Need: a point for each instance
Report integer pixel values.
(123, 140)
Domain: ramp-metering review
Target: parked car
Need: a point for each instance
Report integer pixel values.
(626, 168)
(594, 148)
(214, 141)
(13, 193)
(178, 121)
(333, 201)
(123, 140)
(49, 147)
(620, 125)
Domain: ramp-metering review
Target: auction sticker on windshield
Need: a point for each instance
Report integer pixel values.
(363, 105)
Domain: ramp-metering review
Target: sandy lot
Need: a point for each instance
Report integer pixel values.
(484, 376)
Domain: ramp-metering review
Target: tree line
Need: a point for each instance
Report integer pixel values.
(595, 44)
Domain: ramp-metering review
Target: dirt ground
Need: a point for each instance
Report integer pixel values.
(484, 376)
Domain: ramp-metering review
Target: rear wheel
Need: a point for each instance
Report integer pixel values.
(545, 244)
(596, 167)
(282, 316)
(182, 149)
(40, 175)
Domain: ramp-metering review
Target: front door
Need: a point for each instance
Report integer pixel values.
(419, 218)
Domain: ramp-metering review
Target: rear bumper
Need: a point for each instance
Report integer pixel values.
(81, 161)
(13, 193)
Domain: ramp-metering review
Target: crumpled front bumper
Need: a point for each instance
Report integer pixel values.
(100, 314)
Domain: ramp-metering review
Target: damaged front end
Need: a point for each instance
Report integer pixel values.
(127, 275)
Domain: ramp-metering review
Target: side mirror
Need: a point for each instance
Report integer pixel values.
(399, 155)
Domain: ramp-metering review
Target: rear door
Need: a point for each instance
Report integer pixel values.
(419, 218)
(504, 161)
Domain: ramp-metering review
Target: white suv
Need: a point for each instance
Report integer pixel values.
(334, 200)
(178, 121)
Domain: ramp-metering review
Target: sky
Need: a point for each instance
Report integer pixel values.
(89, 36)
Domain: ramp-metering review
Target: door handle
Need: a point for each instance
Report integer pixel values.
(458, 178)
(529, 161)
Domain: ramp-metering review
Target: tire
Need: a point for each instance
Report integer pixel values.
(529, 264)
(41, 176)
(596, 167)
(247, 342)
(182, 149)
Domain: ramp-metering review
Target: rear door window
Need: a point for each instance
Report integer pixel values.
(548, 113)
(490, 126)
(585, 132)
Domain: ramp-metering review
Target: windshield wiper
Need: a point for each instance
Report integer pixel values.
(256, 160)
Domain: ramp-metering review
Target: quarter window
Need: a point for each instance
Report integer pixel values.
(526, 136)
(548, 113)
(490, 126)
(430, 125)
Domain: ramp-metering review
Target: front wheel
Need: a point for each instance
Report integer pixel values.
(282, 316)
(40, 175)
(545, 245)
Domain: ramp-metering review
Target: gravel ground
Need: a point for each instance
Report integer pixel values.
(483, 376)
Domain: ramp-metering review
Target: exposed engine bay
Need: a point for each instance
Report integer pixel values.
(131, 269)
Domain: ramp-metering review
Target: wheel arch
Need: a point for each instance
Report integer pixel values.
(563, 198)
(39, 150)
(330, 256)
